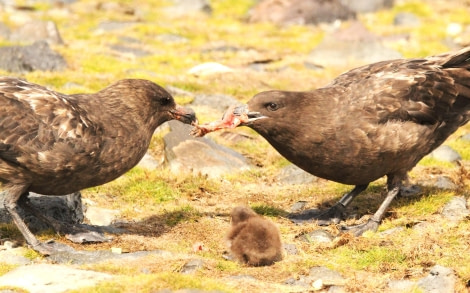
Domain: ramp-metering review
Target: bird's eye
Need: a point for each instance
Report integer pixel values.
(165, 101)
(272, 106)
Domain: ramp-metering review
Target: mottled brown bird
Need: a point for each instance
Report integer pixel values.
(56, 144)
(373, 121)
(252, 239)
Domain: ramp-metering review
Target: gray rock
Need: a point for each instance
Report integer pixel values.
(443, 182)
(50, 278)
(300, 12)
(14, 257)
(362, 6)
(290, 248)
(406, 19)
(391, 231)
(148, 162)
(465, 137)
(298, 206)
(336, 289)
(67, 209)
(439, 280)
(445, 153)
(319, 236)
(192, 266)
(101, 217)
(37, 30)
(218, 102)
(209, 68)
(328, 277)
(292, 174)
(110, 26)
(401, 286)
(184, 153)
(186, 7)
(243, 277)
(38, 56)
(71, 256)
(456, 209)
(172, 39)
(354, 44)
(129, 51)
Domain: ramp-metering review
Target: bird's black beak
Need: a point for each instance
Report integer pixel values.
(245, 115)
(185, 115)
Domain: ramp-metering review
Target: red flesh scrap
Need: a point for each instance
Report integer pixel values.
(229, 120)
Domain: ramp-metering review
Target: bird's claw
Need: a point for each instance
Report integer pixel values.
(358, 230)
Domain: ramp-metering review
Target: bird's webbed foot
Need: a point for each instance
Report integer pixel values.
(49, 248)
(358, 230)
(333, 215)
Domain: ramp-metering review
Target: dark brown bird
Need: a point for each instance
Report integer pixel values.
(373, 121)
(252, 239)
(56, 144)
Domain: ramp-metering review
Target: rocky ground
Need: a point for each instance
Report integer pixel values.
(168, 217)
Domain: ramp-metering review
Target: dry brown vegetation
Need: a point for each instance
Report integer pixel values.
(171, 212)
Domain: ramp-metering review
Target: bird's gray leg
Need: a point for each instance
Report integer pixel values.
(74, 233)
(373, 223)
(12, 194)
(334, 214)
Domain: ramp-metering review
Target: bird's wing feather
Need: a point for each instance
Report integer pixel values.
(406, 90)
(35, 118)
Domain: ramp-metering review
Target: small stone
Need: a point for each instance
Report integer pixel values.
(317, 284)
(319, 236)
(406, 19)
(336, 289)
(401, 286)
(209, 68)
(100, 216)
(298, 206)
(453, 29)
(443, 182)
(192, 266)
(456, 209)
(116, 250)
(328, 277)
(439, 280)
(465, 137)
(37, 30)
(445, 153)
(149, 162)
(48, 278)
(291, 174)
(290, 249)
(391, 231)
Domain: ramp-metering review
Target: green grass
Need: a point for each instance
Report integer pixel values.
(155, 282)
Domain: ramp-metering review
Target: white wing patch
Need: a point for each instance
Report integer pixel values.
(52, 108)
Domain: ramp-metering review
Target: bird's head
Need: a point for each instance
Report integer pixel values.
(149, 101)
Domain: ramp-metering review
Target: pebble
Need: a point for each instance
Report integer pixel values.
(291, 174)
(209, 68)
(445, 153)
(192, 266)
(298, 206)
(456, 209)
(100, 216)
(318, 236)
(49, 278)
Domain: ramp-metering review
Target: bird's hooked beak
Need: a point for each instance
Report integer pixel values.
(245, 115)
(185, 115)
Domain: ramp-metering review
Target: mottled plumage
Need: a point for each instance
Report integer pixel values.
(55, 144)
(373, 121)
(252, 239)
